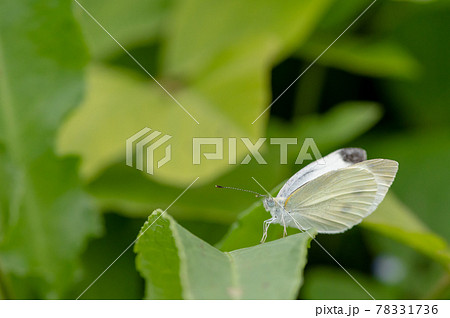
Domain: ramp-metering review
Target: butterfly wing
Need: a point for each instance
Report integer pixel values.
(340, 199)
(336, 160)
(384, 171)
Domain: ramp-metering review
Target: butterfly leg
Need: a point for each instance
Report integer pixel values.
(266, 225)
(284, 225)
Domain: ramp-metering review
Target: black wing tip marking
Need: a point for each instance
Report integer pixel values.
(353, 155)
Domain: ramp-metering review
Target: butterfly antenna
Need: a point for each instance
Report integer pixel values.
(232, 188)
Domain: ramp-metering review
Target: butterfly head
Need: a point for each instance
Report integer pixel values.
(273, 206)
(269, 203)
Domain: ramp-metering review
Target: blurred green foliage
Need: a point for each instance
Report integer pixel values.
(45, 215)
(382, 86)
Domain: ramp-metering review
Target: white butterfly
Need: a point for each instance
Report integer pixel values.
(333, 194)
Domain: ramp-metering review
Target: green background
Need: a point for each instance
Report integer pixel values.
(70, 96)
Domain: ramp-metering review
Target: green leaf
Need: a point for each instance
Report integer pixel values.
(361, 56)
(176, 264)
(396, 221)
(278, 30)
(45, 218)
(130, 25)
